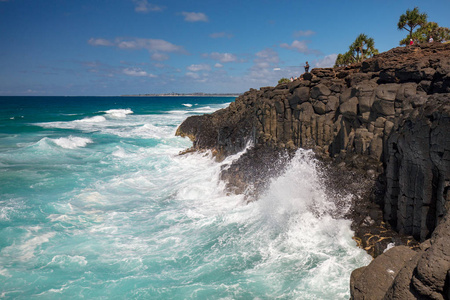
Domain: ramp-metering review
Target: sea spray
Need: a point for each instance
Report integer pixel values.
(109, 209)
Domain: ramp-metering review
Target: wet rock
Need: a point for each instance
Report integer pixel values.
(387, 120)
(373, 281)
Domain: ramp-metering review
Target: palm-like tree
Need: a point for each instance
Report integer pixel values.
(433, 29)
(411, 19)
(363, 47)
(344, 59)
(430, 29)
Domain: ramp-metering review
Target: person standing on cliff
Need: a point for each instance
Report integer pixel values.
(306, 67)
(411, 42)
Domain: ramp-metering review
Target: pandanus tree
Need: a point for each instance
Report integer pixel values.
(362, 48)
(411, 19)
(432, 29)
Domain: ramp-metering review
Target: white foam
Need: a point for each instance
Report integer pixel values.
(187, 105)
(118, 113)
(204, 110)
(96, 119)
(178, 112)
(389, 246)
(4, 272)
(121, 153)
(72, 142)
(67, 260)
(25, 250)
(9, 207)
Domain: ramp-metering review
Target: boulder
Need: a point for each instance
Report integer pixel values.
(320, 90)
(349, 108)
(320, 107)
(332, 104)
(299, 96)
(373, 281)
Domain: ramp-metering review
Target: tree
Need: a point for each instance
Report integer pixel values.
(362, 48)
(344, 59)
(283, 80)
(411, 19)
(432, 29)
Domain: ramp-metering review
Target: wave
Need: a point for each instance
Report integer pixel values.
(187, 104)
(25, 250)
(96, 119)
(72, 142)
(118, 113)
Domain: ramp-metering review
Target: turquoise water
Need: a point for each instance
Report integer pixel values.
(96, 203)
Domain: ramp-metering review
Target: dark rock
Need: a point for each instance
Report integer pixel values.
(349, 108)
(320, 107)
(299, 96)
(385, 123)
(332, 104)
(320, 90)
(307, 76)
(373, 281)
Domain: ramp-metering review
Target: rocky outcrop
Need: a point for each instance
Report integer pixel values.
(401, 273)
(386, 119)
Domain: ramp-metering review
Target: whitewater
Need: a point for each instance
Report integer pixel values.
(97, 203)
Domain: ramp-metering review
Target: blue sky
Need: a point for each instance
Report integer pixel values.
(115, 47)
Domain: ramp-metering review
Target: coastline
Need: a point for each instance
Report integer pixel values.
(182, 95)
(384, 122)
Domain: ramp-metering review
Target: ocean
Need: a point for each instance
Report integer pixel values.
(97, 203)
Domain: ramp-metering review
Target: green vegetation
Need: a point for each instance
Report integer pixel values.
(363, 47)
(412, 19)
(283, 80)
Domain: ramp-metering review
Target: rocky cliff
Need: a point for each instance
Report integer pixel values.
(385, 124)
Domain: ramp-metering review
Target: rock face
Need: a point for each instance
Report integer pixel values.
(388, 116)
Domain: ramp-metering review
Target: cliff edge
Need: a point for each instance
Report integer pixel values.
(382, 129)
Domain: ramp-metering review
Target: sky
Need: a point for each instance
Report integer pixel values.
(117, 47)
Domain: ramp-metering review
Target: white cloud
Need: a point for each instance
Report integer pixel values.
(194, 17)
(158, 48)
(217, 65)
(300, 46)
(196, 68)
(304, 33)
(149, 44)
(192, 75)
(267, 55)
(142, 6)
(159, 56)
(99, 42)
(222, 57)
(137, 72)
(326, 62)
(264, 63)
(223, 34)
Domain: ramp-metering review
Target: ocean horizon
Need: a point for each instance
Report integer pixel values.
(96, 202)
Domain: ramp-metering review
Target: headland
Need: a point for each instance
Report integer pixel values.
(381, 129)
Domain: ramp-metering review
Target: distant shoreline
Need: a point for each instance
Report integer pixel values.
(183, 95)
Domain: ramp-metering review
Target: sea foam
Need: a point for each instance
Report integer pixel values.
(118, 113)
(72, 142)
